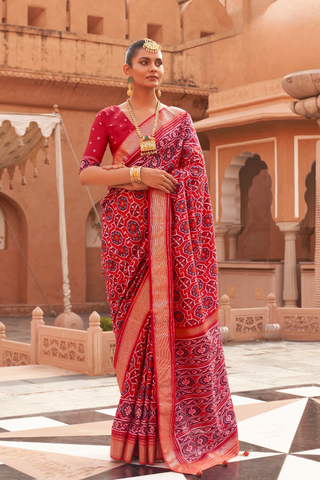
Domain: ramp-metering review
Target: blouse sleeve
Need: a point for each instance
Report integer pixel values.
(97, 143)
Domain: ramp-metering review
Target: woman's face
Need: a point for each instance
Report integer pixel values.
(147, 69)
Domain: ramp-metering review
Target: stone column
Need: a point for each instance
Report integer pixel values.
(290, 290)
(220, 233)
(233, 236)
(317, 231)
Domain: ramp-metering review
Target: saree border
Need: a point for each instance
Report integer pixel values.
(135, 319)
(163, 337)
(161, 295)
(182, 333)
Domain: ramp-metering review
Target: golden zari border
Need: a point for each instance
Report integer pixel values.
(137, 316)
(182, 333)
(162, 321)
(163, 339)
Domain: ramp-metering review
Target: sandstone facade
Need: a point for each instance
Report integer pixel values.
(223, 63)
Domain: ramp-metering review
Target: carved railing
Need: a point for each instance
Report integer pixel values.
(252, 323)
(243, 323)
(13, 354)
(299, 323)
(90, 351)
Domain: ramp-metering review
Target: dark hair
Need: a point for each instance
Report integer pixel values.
(132, 51)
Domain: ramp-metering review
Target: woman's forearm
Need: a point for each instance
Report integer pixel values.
(106, 178)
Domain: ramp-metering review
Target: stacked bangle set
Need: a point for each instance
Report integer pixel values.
(135, 175)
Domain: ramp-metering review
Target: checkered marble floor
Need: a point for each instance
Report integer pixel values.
(56, 424)
(280, 428)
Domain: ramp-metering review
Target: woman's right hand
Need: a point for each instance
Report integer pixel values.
(158, 179)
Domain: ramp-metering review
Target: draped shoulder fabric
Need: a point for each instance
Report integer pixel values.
(159, 262)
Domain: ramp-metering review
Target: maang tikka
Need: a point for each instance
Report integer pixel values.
(129, 91)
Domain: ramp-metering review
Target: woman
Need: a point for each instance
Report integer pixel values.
(159, 262)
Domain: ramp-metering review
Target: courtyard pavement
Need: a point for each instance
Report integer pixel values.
(56, 424)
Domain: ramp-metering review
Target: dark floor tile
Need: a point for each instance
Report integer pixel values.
(8, 473)
(257, 469)
(272, 394)
(250, 447)
(78, 440)
(307, 436)
(127, 471)
(267, 395)
(73, 418)
(79, 411)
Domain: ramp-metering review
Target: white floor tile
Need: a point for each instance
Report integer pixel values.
(275, 429)
(98, 452)
(303, 391)
(296, 468)
(238, 400)
(29, 423)
(161, 476)
(108, 411)
(310, 452)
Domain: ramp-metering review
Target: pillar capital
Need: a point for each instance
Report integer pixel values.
(221, 229)
(288, 227)
(220, 232)
(234, 230)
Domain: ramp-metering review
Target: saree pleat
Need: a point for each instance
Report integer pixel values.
(136, 417)
(159, 261)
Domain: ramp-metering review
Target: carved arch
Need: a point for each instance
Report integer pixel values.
(231, 192)
(309, 197)
(13, 271)
(307, 224)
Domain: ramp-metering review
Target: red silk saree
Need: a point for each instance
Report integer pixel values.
(159, 262)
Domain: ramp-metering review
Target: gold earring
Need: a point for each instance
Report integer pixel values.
(129, 91)
(159, 91)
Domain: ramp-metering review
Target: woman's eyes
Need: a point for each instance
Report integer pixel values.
(145, 62)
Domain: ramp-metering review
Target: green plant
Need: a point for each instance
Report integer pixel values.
(106, 324)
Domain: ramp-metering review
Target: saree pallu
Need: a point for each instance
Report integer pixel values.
(159, 262)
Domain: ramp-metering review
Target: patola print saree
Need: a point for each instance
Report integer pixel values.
(159, 262)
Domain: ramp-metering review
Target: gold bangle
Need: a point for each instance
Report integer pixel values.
(136, 174)
(139, 174)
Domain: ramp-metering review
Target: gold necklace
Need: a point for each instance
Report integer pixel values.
(147, 142)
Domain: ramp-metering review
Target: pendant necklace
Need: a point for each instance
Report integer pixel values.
(147, 142)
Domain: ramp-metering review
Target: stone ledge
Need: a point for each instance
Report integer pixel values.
(22, 310)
